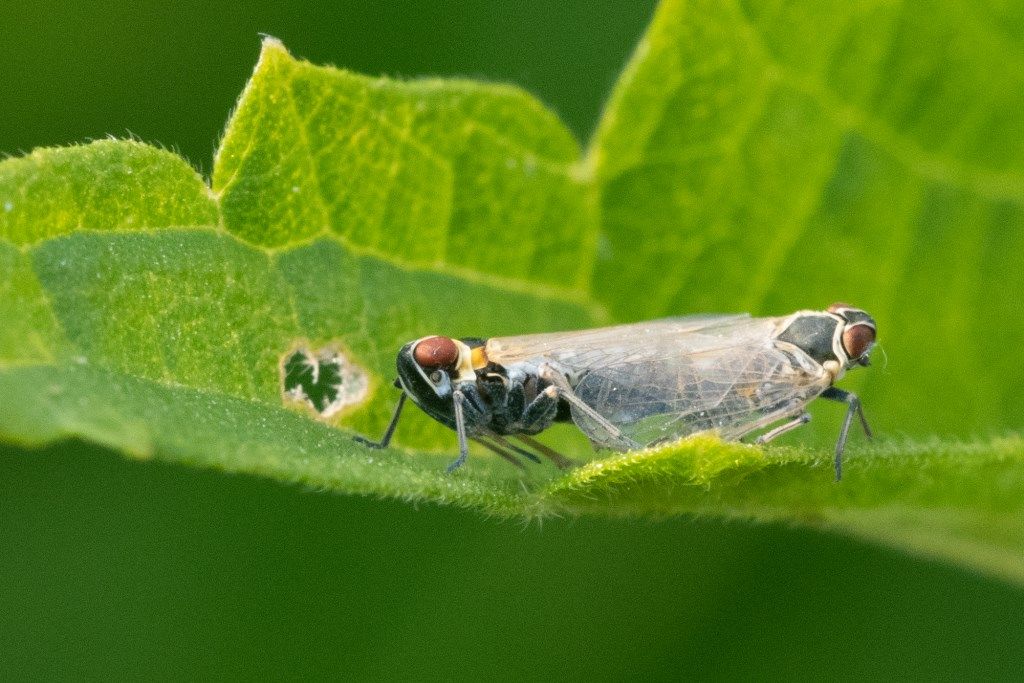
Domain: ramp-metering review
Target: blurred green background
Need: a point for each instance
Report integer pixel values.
(115, 568)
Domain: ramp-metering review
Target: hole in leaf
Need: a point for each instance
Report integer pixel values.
(326, 381)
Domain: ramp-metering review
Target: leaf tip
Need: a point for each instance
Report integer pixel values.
(269, 45)
(272, 51)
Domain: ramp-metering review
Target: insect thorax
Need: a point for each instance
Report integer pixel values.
(814, 334)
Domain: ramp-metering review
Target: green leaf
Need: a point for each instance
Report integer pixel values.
(477, 178)
(743, 163)
(146, 312)
(954, 501)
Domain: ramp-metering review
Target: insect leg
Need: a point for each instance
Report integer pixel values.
(389, 432)
(500, 451)
(565, 391)
(497, 388)
(460, 429)
(560, 460)
(853, 402)
(798, 421)
(541, 409)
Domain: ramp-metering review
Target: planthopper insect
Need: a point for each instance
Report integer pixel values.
(637, 385)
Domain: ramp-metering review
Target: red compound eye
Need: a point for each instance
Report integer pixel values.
(436, 352)
(857, 340)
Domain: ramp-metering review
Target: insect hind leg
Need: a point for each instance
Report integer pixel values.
(798, 421)
(853, 402)
(561, 385)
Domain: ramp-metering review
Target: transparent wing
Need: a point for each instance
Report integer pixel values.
(605, 344)
(662, 380)
(732, 389)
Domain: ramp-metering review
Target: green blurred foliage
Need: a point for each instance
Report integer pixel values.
(170, 73)
(115, 569)
(112, 568)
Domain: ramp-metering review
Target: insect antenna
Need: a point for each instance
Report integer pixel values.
(512, 447)
(494, 448)
(560, 460)
(885, 356)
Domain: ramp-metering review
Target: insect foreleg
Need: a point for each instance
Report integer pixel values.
(389, 432)
(539, 413)
(460, 429)
(853, 402)
(561, 385)
(537, 416)
(798, 421)
(496, 388)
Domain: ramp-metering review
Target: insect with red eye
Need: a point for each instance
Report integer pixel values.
(638, 385)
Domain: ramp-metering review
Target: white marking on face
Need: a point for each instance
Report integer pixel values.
(464, 367)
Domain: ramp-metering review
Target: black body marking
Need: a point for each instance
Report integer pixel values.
(493, 405)
(813, 334)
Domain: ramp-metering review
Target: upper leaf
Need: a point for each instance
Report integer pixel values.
(131, 315)
(463, 174)
(106, 186)
(764, 157)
